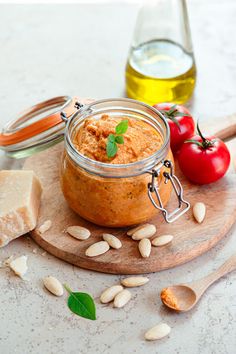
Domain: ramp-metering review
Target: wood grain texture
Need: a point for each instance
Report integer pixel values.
(190, 239)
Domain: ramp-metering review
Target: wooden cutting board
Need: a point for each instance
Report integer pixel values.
(190, 239)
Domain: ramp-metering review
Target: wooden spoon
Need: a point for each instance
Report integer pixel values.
(187, 295)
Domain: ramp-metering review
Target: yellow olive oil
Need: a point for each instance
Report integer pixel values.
(160, 71)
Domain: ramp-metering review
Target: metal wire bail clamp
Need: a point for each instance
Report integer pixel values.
(64, 117)
(153, 188)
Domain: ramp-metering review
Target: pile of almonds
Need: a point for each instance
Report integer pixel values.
(141, 233)
(97, 248)
(144, 234)
(120, 295)
(116, 293)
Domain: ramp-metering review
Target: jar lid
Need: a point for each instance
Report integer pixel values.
(37, 127)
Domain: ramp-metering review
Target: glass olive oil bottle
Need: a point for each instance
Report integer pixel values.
(161, 66)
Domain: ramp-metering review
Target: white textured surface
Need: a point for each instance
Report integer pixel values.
(81, 50)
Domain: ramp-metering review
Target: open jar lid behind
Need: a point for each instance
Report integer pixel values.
(36, 128)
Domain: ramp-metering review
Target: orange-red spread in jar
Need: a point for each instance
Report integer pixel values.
(140, 141)
(113, 191)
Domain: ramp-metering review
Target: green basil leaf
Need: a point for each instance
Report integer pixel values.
(111, 137)
(122, 127)
(111, 149)
(119, 139)
(81, 304)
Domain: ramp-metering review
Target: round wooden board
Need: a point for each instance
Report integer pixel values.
(190, 239)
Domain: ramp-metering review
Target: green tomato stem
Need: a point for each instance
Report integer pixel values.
(200, 133)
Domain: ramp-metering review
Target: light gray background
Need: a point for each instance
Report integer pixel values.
(81, 50)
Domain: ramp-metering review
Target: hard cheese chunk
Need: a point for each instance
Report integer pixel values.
(19, 266)
(20, 193)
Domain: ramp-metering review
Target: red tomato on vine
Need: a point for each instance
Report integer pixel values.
(204, 159)
(180, 121)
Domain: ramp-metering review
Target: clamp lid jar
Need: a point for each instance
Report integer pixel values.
(124, 194)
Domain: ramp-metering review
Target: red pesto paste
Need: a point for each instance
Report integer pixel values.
(112, 202)
(140, 140)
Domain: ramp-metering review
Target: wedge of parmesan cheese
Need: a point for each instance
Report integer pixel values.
(19, 266)
(20, 193)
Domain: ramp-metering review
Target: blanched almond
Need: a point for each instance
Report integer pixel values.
(112, 240)
(145, 247)
(122, 298)
(53, 285)
(97, 248)
(109, 294)
(134, 281)
(79, 232)
(134, 229)
(145, 232)
(199, 212)
(44, 227)
(19, 266)
(157, 332)
(162, 240)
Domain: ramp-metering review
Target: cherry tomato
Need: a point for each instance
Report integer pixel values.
(180, 121)
(204, 160)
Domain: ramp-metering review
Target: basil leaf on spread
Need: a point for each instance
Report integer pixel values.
(111, 148)
(122, 127)
(112, 138)
(118, 138)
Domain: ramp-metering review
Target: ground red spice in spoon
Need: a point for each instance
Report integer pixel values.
(169, 298)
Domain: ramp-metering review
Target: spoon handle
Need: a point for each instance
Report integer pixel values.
(202, 284)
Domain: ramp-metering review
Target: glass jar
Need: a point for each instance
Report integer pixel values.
(118, 195)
